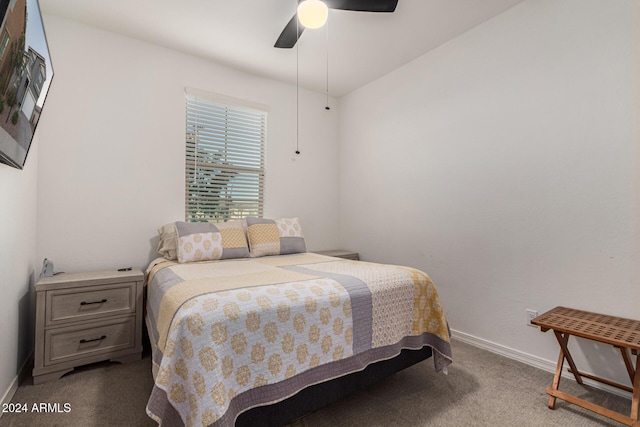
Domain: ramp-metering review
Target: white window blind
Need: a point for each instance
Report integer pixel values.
(224, 160)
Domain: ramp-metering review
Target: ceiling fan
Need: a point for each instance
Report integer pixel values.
(293, 30)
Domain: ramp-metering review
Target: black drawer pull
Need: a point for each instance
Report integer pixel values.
(95, 339)
(94, 302)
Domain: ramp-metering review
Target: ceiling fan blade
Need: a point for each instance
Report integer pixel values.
(290, 35)
(363, 5)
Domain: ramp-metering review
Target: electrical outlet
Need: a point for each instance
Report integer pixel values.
(531, 314)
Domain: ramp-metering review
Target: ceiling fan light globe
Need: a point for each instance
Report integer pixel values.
(313, 13)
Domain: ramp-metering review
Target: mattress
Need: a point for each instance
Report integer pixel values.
(231, 335)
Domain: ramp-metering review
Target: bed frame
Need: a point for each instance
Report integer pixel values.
(317, 396)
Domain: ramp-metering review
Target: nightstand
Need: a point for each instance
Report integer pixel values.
(87, 317)
(339, 253)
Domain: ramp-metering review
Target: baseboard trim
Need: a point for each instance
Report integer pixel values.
(11, 391)
(529, 359)
(13, 387)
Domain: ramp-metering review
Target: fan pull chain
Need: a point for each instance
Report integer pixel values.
(327, 55)
(297, 86)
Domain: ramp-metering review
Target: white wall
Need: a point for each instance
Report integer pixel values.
(505, 164)
(18, 271)
(112, 148)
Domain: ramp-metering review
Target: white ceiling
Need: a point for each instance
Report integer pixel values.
(240, 33)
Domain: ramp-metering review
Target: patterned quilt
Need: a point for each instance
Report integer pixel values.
(231, 335)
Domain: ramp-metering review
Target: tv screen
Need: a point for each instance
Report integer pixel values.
(25, 76)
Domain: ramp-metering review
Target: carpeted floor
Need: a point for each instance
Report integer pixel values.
(482, 389)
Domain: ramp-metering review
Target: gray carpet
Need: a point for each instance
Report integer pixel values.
(482, 389)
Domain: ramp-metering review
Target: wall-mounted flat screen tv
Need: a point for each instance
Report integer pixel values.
(25, 76)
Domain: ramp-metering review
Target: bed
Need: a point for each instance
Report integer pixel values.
(269, 338)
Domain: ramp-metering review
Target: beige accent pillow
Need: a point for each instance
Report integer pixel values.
(168, 243)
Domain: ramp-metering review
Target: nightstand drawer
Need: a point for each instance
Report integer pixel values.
(85, 303)
(74, 342)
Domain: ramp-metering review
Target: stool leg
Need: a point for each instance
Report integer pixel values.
(627, 363)
(636, 392)
(556, 378)
(563, 340)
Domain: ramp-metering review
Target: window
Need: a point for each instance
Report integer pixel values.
(225, 145)
(4, 43)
